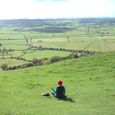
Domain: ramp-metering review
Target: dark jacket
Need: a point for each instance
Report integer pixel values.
(60, 92)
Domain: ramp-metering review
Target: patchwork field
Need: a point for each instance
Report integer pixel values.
(88, 77)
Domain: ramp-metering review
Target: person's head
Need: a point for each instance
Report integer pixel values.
(60, 82)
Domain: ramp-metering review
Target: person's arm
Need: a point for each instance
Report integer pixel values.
(53, 90)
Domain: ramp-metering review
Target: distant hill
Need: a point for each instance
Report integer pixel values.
(53, 22)
(22, 22)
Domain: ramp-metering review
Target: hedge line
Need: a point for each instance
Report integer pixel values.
(44, 61)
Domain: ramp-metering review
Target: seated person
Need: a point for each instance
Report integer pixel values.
(59, 92)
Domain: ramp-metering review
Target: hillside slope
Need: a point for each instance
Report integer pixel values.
(89, 82)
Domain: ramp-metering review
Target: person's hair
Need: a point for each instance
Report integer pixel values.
(60, 82)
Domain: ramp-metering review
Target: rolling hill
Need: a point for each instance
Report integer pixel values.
(89, 82)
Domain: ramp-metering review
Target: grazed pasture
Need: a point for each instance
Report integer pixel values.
(89, 81)
(70, 35)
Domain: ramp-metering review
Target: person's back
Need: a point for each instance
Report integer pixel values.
(60, 92)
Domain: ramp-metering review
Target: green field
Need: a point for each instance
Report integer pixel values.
(11, 62)
(89, 80)
(79, 36)
(46, 53)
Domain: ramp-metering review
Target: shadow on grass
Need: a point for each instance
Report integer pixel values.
(69, 99)
(66, 98)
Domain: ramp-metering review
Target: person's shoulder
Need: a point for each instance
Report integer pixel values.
(62, 87)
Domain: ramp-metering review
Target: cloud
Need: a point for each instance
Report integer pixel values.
(50, 0)
(56, 8)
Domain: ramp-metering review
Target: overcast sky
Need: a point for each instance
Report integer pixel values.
(40, 9)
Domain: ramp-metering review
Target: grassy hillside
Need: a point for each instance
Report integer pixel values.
(89, 82)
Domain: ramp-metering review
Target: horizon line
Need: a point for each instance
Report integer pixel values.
(57, 18)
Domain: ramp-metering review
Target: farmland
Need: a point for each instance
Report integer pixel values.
(71, 34)
(84, 54)
(18, 37)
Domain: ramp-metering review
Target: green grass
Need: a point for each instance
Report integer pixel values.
(12, 62)
(30, 55)
(46, 54)
(80, 38)
(89, 81)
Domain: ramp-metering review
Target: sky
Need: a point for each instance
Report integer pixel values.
(52, 9)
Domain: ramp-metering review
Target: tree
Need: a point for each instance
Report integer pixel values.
(68, 39)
